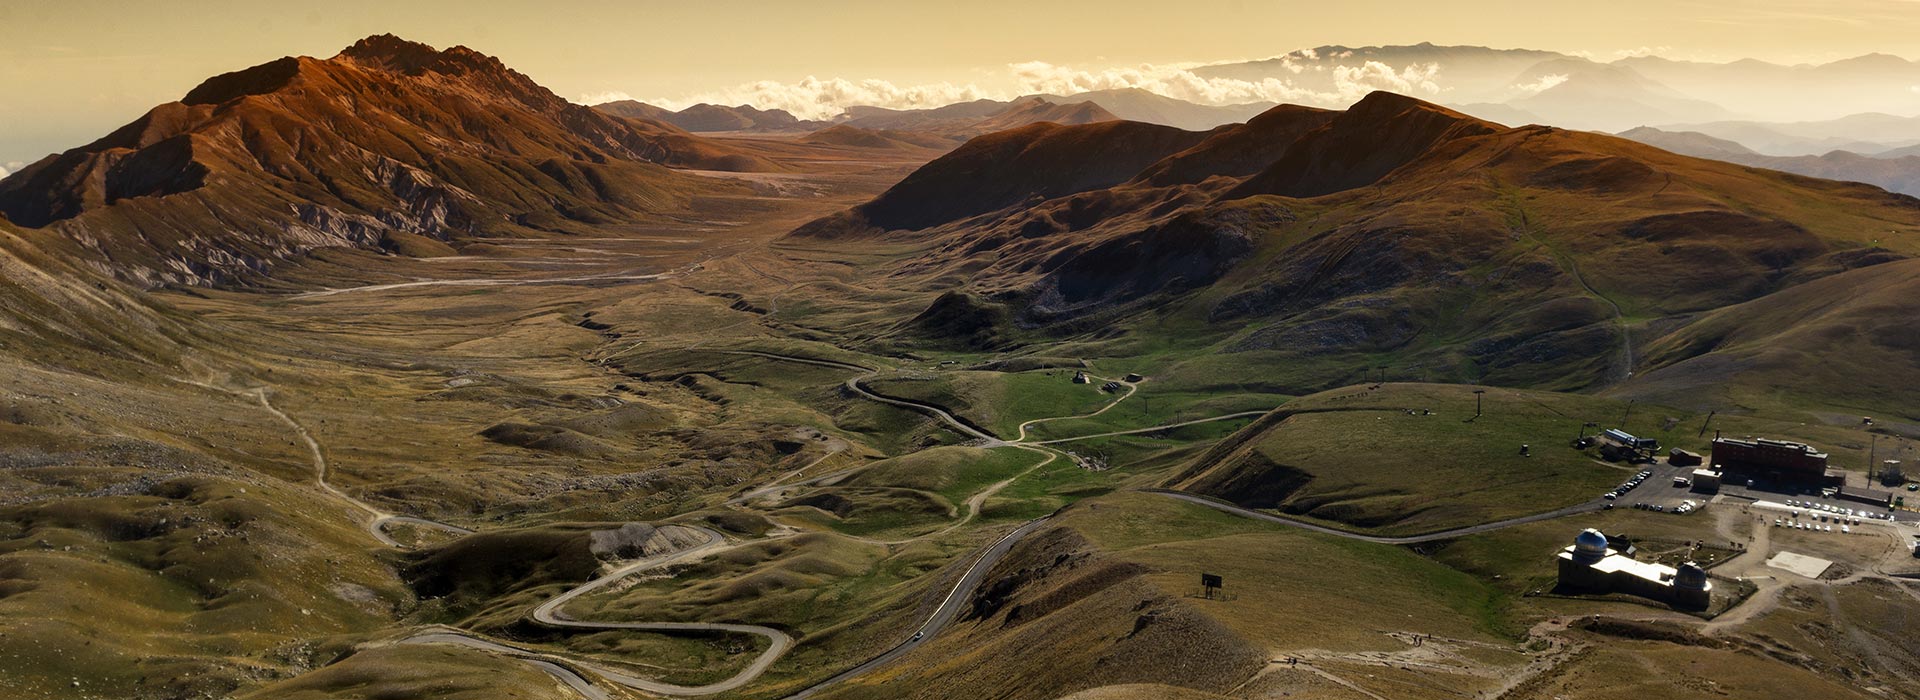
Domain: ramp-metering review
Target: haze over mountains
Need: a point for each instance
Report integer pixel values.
(1866, 105)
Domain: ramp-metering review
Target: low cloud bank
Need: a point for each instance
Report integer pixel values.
(825, 98)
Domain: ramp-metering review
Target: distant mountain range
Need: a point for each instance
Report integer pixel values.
(1898, 173)
(966, 118)
(1770, 108)
(1526, 86)
(707, 117)
(1870, 133)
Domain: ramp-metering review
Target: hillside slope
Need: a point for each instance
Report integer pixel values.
(1395, 233)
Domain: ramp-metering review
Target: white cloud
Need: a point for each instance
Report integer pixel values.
(1349, 83)
(1643, 51)
(825, 98)
(11, 167)
(1545, 83)
(596, 98)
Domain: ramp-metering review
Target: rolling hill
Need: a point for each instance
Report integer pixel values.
(853, 136)
(255, 166)
(1396, 232)
(968, 119)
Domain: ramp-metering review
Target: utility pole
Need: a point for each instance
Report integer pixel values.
(1873, 452)
(1476, 401)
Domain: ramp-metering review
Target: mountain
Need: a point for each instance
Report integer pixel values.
(1135, 104)
(255, 166)
(1897, 174)
(1396, 231)
(708, 117)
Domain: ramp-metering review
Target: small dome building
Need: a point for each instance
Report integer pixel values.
(1590, 545)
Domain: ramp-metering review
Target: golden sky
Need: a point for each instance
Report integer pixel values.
(72, 70)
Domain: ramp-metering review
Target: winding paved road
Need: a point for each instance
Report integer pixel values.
(942, 616)
(551, 614)
(1131, 388)
(1156, 428)
(1585, 507)
(854, 386)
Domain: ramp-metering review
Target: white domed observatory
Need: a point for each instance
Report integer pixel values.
(1591, 565)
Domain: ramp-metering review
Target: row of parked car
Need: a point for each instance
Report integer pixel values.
(1838, 511)
(1630, 485)
(1684, 507)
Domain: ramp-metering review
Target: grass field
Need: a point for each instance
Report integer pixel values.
(1409, 458)
(1292, 589)
(440, 672)
(999, 401)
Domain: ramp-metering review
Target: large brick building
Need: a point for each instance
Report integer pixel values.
(1776, 460)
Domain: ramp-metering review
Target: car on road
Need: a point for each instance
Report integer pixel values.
(1610, 495)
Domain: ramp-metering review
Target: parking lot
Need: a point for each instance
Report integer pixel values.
(1658, 490)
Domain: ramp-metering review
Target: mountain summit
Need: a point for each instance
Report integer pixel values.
(387, 137)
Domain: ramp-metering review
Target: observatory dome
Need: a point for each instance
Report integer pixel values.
(1590, 544)
(1690, 575)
